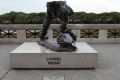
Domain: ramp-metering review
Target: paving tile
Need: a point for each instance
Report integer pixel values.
(113, 74)
(4, 57)
(53, 77)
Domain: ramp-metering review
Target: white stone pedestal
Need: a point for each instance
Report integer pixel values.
(32, 55)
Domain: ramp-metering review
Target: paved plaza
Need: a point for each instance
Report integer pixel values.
(108, 66)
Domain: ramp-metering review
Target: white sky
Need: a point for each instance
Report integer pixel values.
(29, 6)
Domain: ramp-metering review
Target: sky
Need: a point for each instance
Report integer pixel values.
(30, 6)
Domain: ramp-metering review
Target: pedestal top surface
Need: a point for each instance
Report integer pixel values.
(34, 47)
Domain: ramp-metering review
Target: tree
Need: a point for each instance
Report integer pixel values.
(11, 16)
(21, 19)
(77, 18)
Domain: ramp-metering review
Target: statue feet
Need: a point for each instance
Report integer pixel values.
(43, 38)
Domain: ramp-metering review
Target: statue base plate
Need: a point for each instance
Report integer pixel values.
(32, 55)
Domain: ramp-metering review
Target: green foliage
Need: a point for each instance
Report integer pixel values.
(21, 18)
(77, 18)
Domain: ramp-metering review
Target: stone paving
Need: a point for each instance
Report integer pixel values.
(108, 66)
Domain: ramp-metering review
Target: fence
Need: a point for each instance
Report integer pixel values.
(91, 33)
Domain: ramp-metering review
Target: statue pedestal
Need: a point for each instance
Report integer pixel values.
(32, 55)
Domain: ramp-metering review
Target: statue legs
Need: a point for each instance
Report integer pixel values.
(46, 25)
(63, 26)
